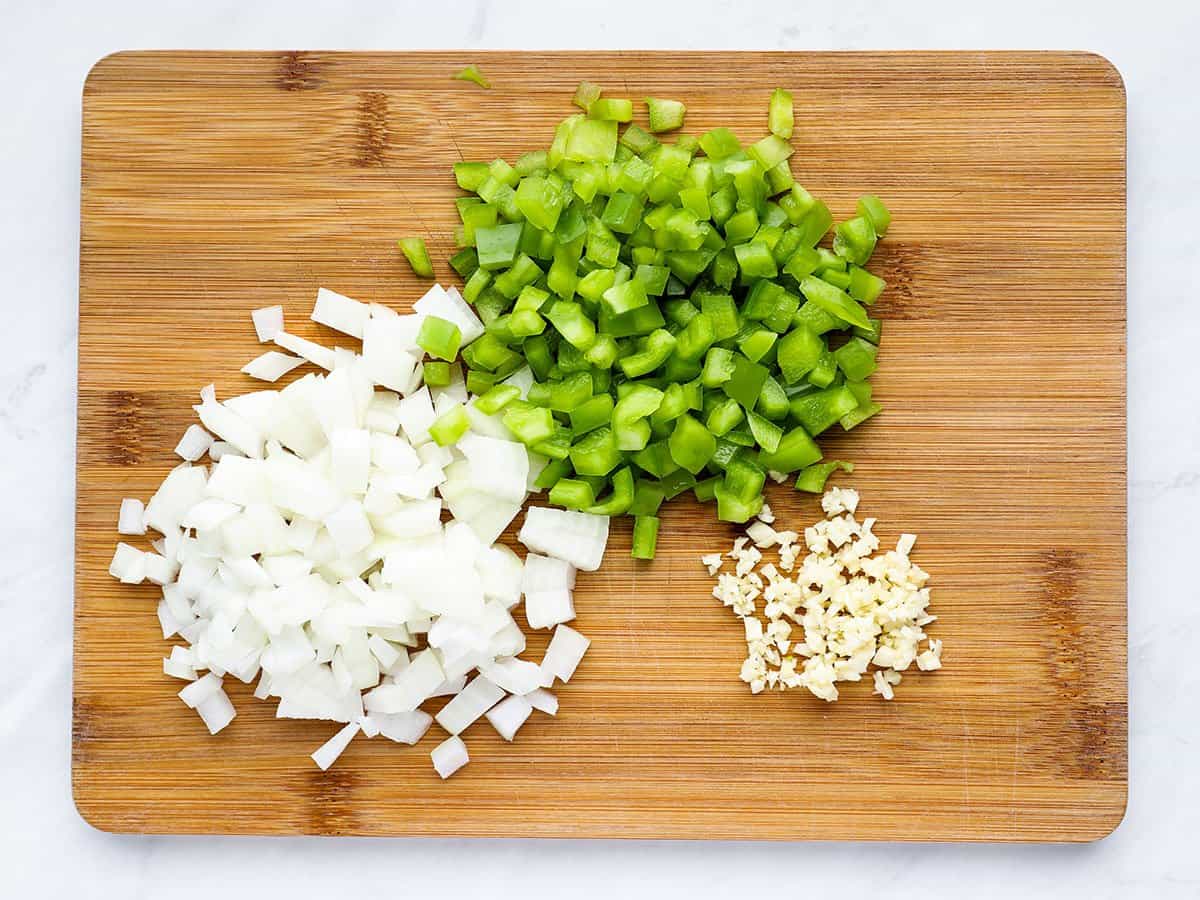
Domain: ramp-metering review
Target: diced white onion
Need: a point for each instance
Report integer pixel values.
(543, 701)
(131, 519)
(577, 537)
(268, 322)
(314, 353)
(472, 702)
(325, 755)
(271, 366)
(566, 649)
(449, 756)
(216, 710)
(340, 312)
(509, 715)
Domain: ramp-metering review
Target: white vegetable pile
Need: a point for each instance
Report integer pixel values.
(856, 609)
(313, 557)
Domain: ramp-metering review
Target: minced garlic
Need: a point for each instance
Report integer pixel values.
(856, 609)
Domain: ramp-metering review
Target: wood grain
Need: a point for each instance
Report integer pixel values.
(214, 183)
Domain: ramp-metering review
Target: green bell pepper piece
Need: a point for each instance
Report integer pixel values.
(780, 118)
(475, 285)
(795, 451)
(799, 351)
(665, 115)
(741, 226)
(834, 301)
(691, 444)
(706, 490)
(541, 200)
(719, 364)
(871, 208)
(591, 140)
(603, 353)
(439, 338)
(687, 265)
(470, 175)
(872, 334)
(496, 398)
(472, 74)
(656, 459)
(570, 392)
(696, 337)
(772, 401)
(645, 537)
(822, 374)
(572, 493)
(745, 381)
(621, 298)
(611, 109)
(726, 415)
(639, 140)
(857, 416)
(653, 278)
(524, 271)
(642, 320)
(436, 374)
(596, 453)
(757, 344)
(550, 475)
(721, 309)
(856, 358)
(466, 261)
(676, 482)
(647, 498)
(719, 143)
(450, 426)
(865, 287)
(818, 410)
(657, 346)
(629, 417)
(569, 320)
(531, 163)
(586, 94)
(529, 424)
(855, 240)
(812, 478)
(817, 223)
(620, 498)
(755, 260)
(596, 412)
(766, 433)
(840, 280)
(497, 245)
(557, 446)
(417, 255)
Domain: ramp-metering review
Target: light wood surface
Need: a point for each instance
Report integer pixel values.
(214, 183)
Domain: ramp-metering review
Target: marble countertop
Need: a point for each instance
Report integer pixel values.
(46, 850)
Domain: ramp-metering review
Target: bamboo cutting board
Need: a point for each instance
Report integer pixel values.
(214, 183)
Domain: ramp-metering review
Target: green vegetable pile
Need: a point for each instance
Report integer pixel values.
(685, 330)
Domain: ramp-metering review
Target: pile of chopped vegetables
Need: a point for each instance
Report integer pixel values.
(313, 555)
(855, 608)
(684, 328)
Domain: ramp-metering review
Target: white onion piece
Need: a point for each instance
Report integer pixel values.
(131, 518)
(543, 701)
(340, 312)
(368, 726)
(314, 353)
(268, 322)
(509, 715)
(325, 755)
(229, 426)
(404, 728)
(271, 366)
(566, 649)
(522, 379)
(499, 468)
(545, 609)
(128, 565)
(517, 676)
(472, 702)
(545, 573)
(449, 756)
(500, 572)
(216, 710)
(416, 415)
(388, 353)
(200, 690)
(577, 537)
(194, 443)
(180, 664)
(412, 687)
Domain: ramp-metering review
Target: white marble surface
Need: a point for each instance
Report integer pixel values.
(47, 851)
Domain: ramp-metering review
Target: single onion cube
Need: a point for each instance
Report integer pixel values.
(194, 443)
(543, 701)
(216, 710)
(509, 715)
(128, 564)
(268, 322)
(271, 366)
(566, 649)
(200, 690)
(130, 520)
(472, 702)
(545, 609)
(449, 756)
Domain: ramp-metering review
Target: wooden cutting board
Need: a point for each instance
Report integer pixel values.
(214, 183)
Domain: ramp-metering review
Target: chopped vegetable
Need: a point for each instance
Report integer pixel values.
(665, 115)
(472, 74)
(417, 255)
(291, 560)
